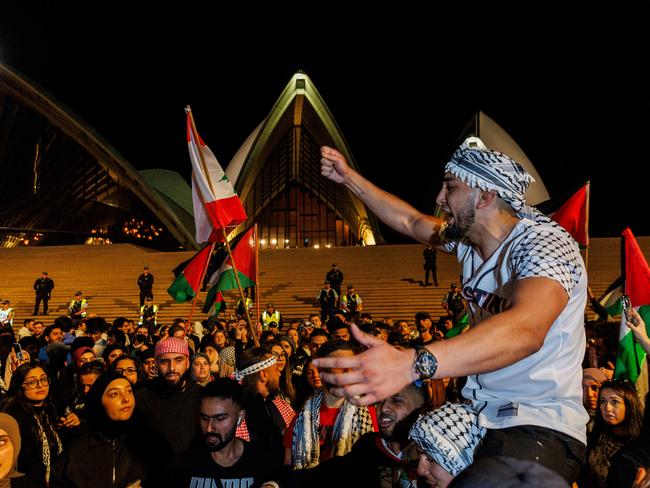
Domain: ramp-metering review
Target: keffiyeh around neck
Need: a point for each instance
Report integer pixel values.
(491, 170)
(351, 423)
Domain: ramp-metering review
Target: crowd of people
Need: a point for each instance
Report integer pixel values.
(504, 390)
(115, 404)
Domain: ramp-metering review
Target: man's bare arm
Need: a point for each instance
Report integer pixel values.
(391, 210)
(499, 341)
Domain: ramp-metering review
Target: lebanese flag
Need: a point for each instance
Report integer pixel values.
(216, 205)
(574, 216)
(243, 253)
(631, 358)
(187, 282)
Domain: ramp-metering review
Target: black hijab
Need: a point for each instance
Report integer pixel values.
(96, 413)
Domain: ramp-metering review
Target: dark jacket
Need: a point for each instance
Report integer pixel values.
(97, 461)
(172, 412)
(369, 463)
(43, 286)
(30, 459)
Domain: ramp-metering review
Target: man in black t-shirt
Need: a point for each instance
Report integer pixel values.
(223, 460)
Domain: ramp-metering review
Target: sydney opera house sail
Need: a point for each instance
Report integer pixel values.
(63, 184)
(276, 173)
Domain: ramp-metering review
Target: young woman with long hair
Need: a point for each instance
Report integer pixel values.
(618, 421)
(28, 401)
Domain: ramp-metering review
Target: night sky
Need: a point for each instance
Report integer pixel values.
(571, 87)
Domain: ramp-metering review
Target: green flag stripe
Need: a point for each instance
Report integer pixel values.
(180, 290)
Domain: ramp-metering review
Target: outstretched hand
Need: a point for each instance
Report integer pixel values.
(375, 374)
(638, 329)
(333, 164)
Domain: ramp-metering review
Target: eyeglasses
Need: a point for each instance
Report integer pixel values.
(279, 354)
(35, 383)
(130, 370)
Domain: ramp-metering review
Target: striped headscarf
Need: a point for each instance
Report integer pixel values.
(265, 363)
(483, 168)
(448, 435)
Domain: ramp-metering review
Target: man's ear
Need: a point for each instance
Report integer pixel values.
(486, 198)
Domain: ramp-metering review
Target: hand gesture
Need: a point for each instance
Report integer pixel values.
(639, 329)
(70, 420)
(333, 164)
(14, 362)
(369, 377)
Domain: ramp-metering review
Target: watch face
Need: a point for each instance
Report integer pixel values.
(425, 364)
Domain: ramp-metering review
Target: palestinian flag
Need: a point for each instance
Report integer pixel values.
(611, 299)
(217, 306)
(216, 205)
(243, 253)
(631, 358)
(188, 279)
(573, 215)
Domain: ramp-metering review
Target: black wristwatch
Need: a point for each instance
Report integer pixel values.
(425, 363)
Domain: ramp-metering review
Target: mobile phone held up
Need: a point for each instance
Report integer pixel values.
(19, 351)
(627, 309)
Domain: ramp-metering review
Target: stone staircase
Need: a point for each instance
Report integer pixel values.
(387, 278)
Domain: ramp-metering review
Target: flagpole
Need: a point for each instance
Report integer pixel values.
(587, 227)
(196, 295)
(257, 272)
(225, 236)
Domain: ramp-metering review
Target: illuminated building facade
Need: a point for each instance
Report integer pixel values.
(276, 173)
(63, 184)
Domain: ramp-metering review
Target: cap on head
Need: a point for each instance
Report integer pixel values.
(269, 305)
(77, 294)
(172, 345)
(306, 323)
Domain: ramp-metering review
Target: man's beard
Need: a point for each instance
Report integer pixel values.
(274, 390)
(221, 442)
(463, 220)
(401, 429)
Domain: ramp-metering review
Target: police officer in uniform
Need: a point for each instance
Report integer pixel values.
(43, 287)
(145, 282)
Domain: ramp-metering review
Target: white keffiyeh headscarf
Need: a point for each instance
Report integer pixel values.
(479, 167)
(254, 368)
(448, 435)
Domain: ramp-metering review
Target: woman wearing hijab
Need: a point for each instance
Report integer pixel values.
(113, 452)
(9, 449)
